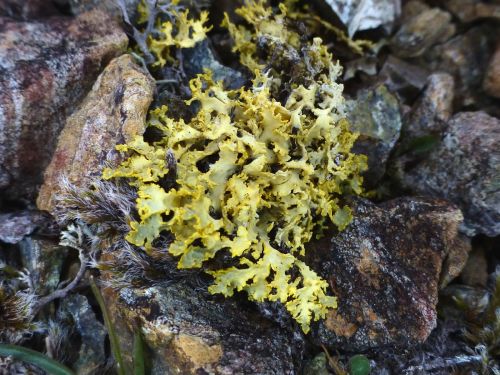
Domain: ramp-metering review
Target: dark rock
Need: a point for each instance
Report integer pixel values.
(385, 269)
(416, 35)
(188, 332)
(17, 225)
(466, 58)
(202, 57)
(88, 334)
(475, 272)
(28, 9)
(465, 169)
(402, 77)
(111, 6)
(113, 112)
(431, 111)
(472, 10)
(45, 69)
(376, 116)
(491, 82)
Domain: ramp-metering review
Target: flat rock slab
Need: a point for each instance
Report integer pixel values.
(385, 268)
(113, 112)
(45, 70)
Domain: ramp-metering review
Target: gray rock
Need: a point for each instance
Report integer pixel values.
(465, 169)
(189, 332)
(375, 115)
(17, 225)
(45, 69)
(491, 82)
(385, 269)
(87, 331)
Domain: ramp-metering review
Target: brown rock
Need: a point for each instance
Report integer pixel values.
(113, 112)
(385, 270)
(45, 69)
(491, 82)
(465, 169)
(416, 36)
(472, 10)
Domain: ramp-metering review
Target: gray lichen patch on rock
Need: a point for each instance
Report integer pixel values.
(386, 269)
(45, 69)
(113, 112)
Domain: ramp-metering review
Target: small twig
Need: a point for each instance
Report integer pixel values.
(61, 293)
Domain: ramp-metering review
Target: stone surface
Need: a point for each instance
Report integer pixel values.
(416, 35)
(465, 169)
(491, 82)
(189, 332)
(402, 77)
(110, 6)
(45, 69)
(376, 116)
(27, 9)
(113, 112)
(431, 111)
(88, 335)
(472, 10)
(17, 225)
(385, 269)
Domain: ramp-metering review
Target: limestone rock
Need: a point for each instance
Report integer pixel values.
(189, 332)
(385, 269)
(45, 69)
(465, 169)
(376, 116)
(113, 112)
(491, 83)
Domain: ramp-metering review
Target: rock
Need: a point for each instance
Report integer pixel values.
(188, 332)
(17, 225)
(432, 110)
(491, 82)
(43, 258)
(465, 169)
(113, 112)
(110, 6)
(472, 10)
(365, 14)
(45, 69)
(466, 58)
(403, 78)
(415, 36)
(385, 269)
(376, 116)
(201, 57)
(27, 9)
(475, 272)
(88, 334)
(317, 366)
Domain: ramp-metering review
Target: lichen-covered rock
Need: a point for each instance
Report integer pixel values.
(113, 112)
(45, 69)
(375, 115)
(416, 36)
(385, 269)
(465, 169)
(491, 82)
(188, 332)
(15, 226)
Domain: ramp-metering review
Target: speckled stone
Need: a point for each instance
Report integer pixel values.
(385, 268)
(46, 67)
(113, 112)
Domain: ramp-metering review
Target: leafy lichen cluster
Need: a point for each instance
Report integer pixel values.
(254, 176)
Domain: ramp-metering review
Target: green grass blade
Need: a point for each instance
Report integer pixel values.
(139, 368)
(35, 358)
(113, 339)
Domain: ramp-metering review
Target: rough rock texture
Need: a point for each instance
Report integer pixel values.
(415, 36)
(110, 6)
(465, 169)
(45, 69)
(113, 112)
(433, 109)
(15, 226)
(27, 9)
(472, 10)
(376, 116)
(385, 269)
(189, 332)
(491, 83)
(88, 334)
